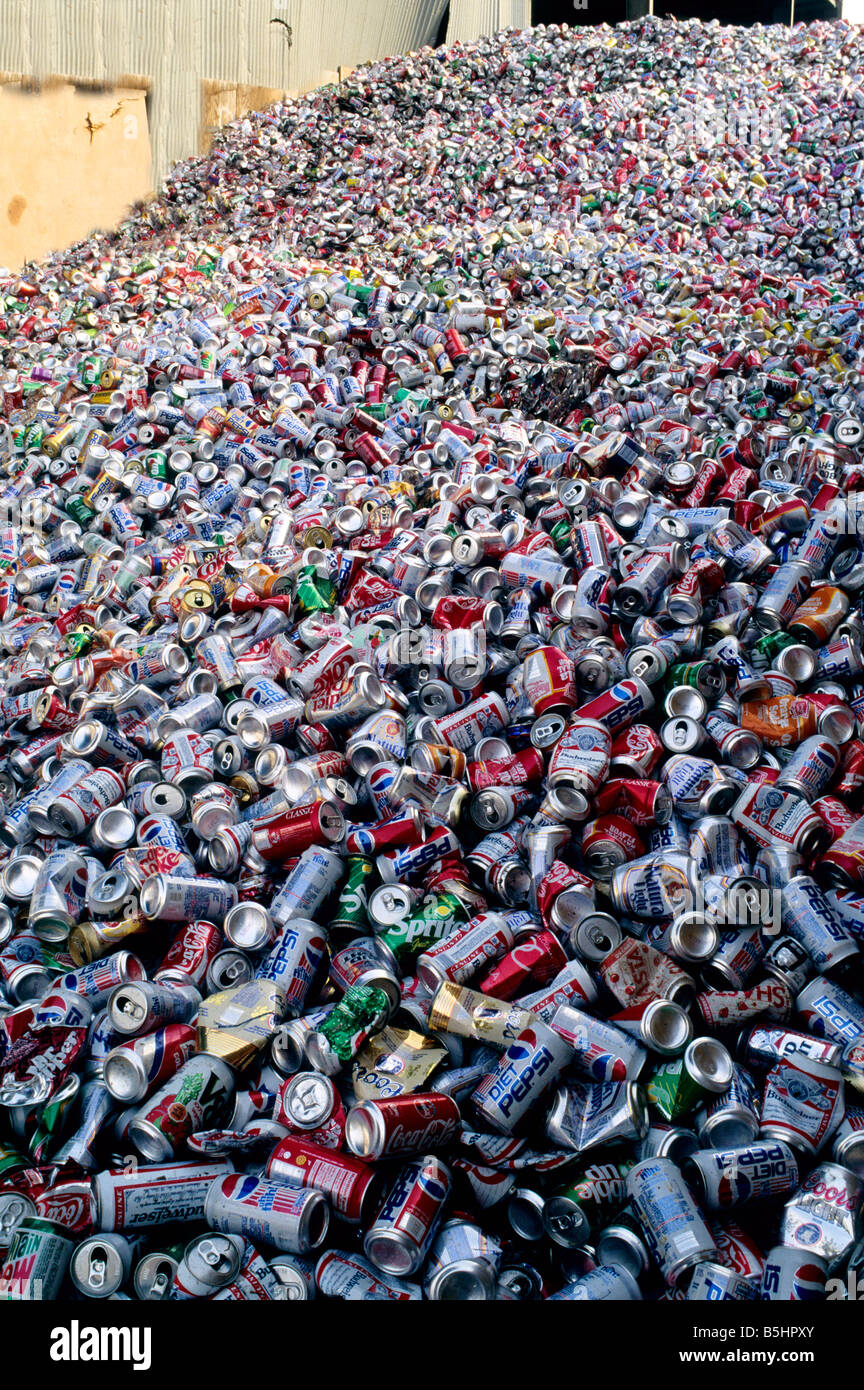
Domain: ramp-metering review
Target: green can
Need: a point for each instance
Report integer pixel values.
(10, 1160)
(588, 1202)
(705, 676)
(351, 910)
(77, 508)
(437, 918)
(361, 1011)
(314, 593)
(680, 1084)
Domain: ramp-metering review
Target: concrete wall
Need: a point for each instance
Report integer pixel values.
(200, 62)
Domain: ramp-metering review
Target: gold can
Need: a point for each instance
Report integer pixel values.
(237, 1023)
(90, 941)
(395, 1062)
(469, 1014)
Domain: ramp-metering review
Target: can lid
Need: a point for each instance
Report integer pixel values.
(595, 936)
(525, 1212)
(709, 1064)
(114, 827)
(19, 877)
(462, 1281)
(665, 1026)
(249, 926)
(620, 1246)
(124, 1074)
(309, 1099)
(565, 1222)
(97, 1268)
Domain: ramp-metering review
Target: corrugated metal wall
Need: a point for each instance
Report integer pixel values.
(471, 18)
(176, 45)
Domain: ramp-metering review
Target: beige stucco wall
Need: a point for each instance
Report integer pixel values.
(73, 161)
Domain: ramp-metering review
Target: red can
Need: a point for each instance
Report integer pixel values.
(453, 611)
(292, 831)
(637, 751)
(835, 815)
(401, 1125)
(352, 1187)
(394, 833)
(637, 800)
(190, 954)
(68, 1203)
(524, 767)
(405, 1227)
(549, 678)
(535, 959)
(609, 841)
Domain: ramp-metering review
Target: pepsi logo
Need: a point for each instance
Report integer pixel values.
(808, 1283)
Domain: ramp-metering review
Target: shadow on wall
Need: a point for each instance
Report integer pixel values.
(74, 161)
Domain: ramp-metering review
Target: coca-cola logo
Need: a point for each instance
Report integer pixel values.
(71, 1209)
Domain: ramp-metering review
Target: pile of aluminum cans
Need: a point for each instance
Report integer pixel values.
(432, 692)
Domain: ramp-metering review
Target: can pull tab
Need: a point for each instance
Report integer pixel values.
(98, 1267)
(161, 1281)
(10, 1217)
(128, 1005)
(214, 1255)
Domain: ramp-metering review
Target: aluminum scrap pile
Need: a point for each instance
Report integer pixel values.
(432, 693)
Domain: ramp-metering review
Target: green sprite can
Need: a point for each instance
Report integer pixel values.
(352, 909)
(435, 919)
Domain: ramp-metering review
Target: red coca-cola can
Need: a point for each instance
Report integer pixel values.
(535, 959)
(636, 751)
(452, 611)
(68, 1203)
(293, 830)
(524, 767)
(401, 1125)
(189, 957)
(835, 815)
(640, 801)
